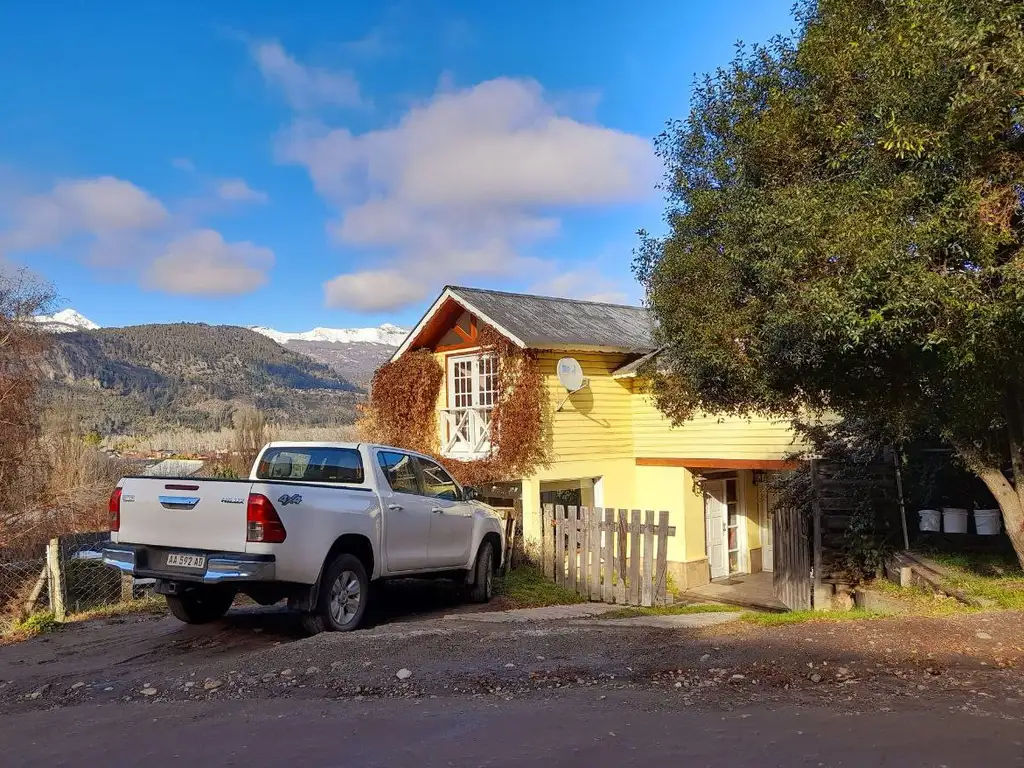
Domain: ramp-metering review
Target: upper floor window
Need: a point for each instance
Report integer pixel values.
(472, 381)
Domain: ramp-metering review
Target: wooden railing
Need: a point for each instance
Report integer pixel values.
(466, 432)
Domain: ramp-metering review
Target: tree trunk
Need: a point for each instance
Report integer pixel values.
(1010, 498)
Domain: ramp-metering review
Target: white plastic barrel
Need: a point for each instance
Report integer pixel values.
(929, 520)
(988, 522)
(954, 520)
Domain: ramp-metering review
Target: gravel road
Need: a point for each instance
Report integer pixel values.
(237, 688)
(569, 729)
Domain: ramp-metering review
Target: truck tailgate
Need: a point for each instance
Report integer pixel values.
(185, 513)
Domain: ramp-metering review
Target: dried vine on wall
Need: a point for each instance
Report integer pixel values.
(403, 398)
(403, 402)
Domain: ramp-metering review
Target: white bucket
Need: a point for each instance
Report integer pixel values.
(954, 520)
(929, 520)
(988, 522)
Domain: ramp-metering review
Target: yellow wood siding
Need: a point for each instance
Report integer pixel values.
(707, 437)
(597, 421)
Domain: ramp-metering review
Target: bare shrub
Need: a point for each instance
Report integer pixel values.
(22, 345)
(252, 432)
(192, 442)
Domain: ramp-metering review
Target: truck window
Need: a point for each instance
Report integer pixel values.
(437, 483)
(312, 465)
(399, 471)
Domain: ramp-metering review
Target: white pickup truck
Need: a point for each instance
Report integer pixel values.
(316, 524)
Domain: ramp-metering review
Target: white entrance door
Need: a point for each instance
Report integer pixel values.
(767, 549)
(723, 527)
(714, 528)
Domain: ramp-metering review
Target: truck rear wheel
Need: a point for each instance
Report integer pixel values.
(344, 597)
(201, 605)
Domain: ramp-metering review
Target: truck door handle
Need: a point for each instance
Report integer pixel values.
(395, 507)
(437, 511)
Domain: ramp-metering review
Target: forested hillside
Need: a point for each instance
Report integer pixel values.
(136, 379)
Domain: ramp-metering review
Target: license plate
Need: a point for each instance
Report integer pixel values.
(183, 560)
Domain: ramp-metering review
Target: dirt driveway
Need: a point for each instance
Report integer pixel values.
(147, 690)
(968, 663)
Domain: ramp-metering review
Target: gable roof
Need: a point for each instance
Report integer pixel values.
(543, 322)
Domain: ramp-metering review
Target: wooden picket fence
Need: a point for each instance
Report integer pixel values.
(607, 555)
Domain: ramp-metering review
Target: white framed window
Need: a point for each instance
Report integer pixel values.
(472, 395)
(472, 381)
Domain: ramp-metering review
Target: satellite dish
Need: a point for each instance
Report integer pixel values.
(570, 374)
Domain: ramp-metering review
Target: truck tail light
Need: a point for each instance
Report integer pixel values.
(262, 523)
(114, 508)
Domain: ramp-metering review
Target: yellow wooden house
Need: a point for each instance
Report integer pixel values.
(609, 446)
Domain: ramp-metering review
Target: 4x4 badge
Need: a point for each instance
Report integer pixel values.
(285, 500)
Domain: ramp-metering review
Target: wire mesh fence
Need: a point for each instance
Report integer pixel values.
(23, 585)
(69, 578)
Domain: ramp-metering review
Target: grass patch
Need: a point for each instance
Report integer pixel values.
(528, 588)
(151, 604)
(36, 624)
(920, 601)
(803, 617)
(668, 610)
(996, 579)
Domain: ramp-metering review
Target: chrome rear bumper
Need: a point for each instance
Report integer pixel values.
(143, 562)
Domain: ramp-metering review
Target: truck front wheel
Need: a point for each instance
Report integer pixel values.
(201, 605)
(344, 596)
(483, 583)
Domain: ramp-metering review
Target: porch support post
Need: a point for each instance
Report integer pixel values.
(531, 517)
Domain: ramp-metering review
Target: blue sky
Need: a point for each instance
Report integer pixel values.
(335, 163)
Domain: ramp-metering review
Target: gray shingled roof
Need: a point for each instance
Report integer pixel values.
(543, 322)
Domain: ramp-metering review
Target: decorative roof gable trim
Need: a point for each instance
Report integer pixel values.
(446, 294)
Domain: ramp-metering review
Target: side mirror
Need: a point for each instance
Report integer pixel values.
(470, 493)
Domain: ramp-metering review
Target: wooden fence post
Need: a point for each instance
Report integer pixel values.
(816, 591)
(127, 587)
(634, 557)
(547, 550)
(661, 572)
(583, 585)
(595, 553)
(621, 590)
(646, 596)
(56, 579)
(572, 580)
(510, 536)
(608, 557)
(560, 533)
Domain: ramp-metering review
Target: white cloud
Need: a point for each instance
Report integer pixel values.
(103, 207)
(305, 87)
(372, 290)
(203, 263)
(238, 191)
(463, 184)
(114, 225)
(587, 283)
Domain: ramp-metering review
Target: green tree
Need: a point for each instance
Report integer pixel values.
(846, 220)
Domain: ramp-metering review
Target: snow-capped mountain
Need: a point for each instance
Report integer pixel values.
(387, 334)
(66, 321)
(354, 353)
